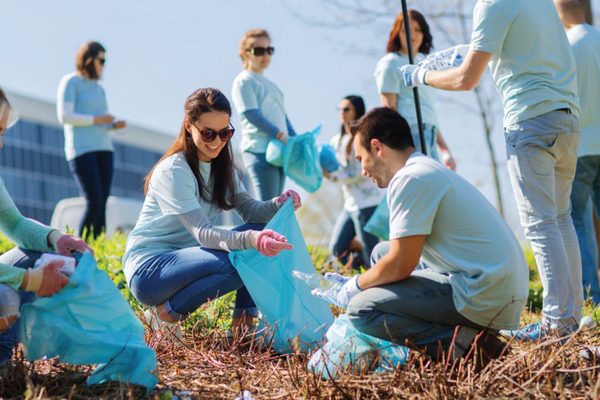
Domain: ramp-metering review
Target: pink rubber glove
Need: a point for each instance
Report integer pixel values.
(45, 280)
(290, 194)
(270, 243)
(66, 245)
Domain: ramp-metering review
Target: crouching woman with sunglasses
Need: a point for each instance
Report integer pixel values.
(260, 105)
(175, 259)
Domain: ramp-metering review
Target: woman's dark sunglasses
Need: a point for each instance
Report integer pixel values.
(260, 51)
(102, 60)
(345, 109)
(208, 135)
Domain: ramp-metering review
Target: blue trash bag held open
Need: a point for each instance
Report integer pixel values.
(327, 157)
(379, 223)
(283, 300)
(347, 348)
(90, 322)
(301, 161)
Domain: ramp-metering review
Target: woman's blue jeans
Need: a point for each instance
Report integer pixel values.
(93, 174)
(347, 226)
(186, 279)
(267, 179)
(25, 259)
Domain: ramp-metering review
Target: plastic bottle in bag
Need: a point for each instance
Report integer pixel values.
(317, 281)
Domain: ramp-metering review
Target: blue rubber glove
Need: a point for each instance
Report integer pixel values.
(414, 76)
(343, 297)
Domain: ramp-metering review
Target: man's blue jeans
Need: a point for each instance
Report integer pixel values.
(587, 181)
(25, 259)
(267, 179)
(418, 309)
(185, 279)
(348, 225)
(542, 156)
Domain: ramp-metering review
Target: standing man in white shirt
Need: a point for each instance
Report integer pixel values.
(585, 42)
(532, 64)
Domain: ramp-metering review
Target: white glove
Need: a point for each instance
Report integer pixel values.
(335, 277)
(414, 76)
(346, 293)
(446, 59)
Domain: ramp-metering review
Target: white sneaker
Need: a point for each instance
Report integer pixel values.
(171, 330)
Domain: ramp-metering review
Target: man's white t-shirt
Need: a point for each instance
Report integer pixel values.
(468, 244)
(585, 42)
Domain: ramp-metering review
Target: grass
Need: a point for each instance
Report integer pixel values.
(211, 367)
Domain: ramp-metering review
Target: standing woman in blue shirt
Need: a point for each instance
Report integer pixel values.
(83, 112)
(396, 95)
(260, 105)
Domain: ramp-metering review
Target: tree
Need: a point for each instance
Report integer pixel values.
(448, 18)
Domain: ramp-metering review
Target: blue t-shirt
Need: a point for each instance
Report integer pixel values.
(173, 190)
(532, 63)
(468, 244)
(89, 98)
(252, 91)
(390, 80)
(585, 42)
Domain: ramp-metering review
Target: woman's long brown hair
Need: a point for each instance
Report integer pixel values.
(222, 168)
(394, 40)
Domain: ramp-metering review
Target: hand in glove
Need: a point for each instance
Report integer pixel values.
(414, 76)
(270, 243)
(45, 280)
(342, 299)
(283, 137)
(446, 59)
(335, 277)
(287, 195)
(66, 245)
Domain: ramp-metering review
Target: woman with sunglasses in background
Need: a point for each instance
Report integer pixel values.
(83, 112)
(260, 105)
(396, 95)
(361, 194)
(175, 259)
(16, 265)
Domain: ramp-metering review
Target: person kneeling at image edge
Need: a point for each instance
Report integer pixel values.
(476, 277)
(175, 260)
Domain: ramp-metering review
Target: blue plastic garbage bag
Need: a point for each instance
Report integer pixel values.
(275, 151)
(347, 348)
(284, 301)
(327, 157)
(301, 161)
(379, 223)
(90, 322)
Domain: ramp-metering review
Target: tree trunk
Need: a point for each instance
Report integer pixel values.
(587, 8)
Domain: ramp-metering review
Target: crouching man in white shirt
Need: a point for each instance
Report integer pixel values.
(476, 280)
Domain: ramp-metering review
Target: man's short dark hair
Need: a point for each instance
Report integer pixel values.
(385, 125)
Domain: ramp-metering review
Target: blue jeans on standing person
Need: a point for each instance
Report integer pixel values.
(267, 179)
(25, 259)
(418, 309)
(348, 225)
(185, 279)
(587, 182)
(542, 156)
(93, 174)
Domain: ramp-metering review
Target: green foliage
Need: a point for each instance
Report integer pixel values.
(217, 313)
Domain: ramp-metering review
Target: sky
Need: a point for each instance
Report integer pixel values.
(159, 52)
